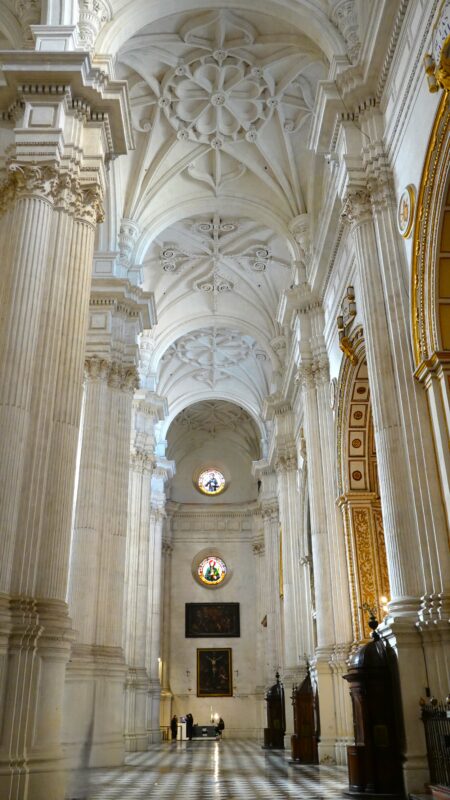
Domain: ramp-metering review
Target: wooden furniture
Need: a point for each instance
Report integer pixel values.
(276, 717)
(375, 760)
(305, 739)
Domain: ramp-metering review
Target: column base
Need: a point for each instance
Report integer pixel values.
(136, 691)
(94, 707)
(421, 654)
(154, 712)
(35, 656)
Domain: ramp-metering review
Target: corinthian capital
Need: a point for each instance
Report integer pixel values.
(345, 18)
(141, 461)
(28, 180)
(357, 206)
(29, 13)
(94, 14)
(305, 376)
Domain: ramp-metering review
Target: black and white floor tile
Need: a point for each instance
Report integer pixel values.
(227, 770)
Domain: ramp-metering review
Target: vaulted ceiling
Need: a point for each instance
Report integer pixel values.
(222, 99)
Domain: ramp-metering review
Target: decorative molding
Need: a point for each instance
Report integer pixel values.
(28, 13)
(63, 189)
(344, 325)
(437, 63)
(345, 18)
(128, 236)
(357, 206)
(116, 375)
(93, 15)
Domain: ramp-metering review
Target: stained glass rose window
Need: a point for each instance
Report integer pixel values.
(212, 571)
(211, 482)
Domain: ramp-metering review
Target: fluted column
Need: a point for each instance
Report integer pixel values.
(321, 564)
(261, 588)
(412, 556)
(420, 453)
(340, 597)
(153, 633)
(96, 673)
(271, 525)
(147, 410)
(405, 561)
(166, 694)
(47, 237)
(136, 595)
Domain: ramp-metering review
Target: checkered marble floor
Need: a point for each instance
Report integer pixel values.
(227, 770)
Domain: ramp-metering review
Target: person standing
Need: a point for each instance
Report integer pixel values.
(174, 727)
(189, 726)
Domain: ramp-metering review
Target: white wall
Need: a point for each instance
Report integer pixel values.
(229, 535)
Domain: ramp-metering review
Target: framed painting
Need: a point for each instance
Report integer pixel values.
(212, 619)
(214, 672)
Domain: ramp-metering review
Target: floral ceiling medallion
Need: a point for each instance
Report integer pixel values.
(217, 98)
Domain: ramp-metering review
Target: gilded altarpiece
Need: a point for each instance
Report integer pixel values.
(359, 494)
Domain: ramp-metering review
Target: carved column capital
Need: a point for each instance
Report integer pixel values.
(357, 206)
(286, 459)
(322, 370)
(344, 17)
(96, 369)
(141, 461)
(270, 511)
(116, 375)
(63, 189)
(29, 13)
(93, 15)
(28, 180)
(305, 376)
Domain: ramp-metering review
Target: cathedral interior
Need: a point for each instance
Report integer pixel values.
(224, 399)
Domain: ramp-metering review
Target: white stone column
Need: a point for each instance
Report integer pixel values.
(147, 409)
(274, 656)
(261, 589)
(46, 235)
(153, 633)
(166, 591)
(321, 565)
(136, 591)
(339, 575)
(421, 457)
(408, 553)
(96, 672)
(400, 525)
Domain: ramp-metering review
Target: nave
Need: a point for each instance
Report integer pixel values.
(229, 770)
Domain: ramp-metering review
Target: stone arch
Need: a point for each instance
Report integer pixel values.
(431, 288)
(359, 496)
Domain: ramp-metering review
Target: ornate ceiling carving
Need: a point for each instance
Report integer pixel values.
(219, 97)
(212, 354)
(213, 419)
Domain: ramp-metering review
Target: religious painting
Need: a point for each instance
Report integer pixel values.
(214, 673)
(212, 571)
(212, 619)
(211, 482)
(405, 211)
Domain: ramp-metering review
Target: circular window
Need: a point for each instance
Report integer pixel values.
(211, 482)
(212, 571)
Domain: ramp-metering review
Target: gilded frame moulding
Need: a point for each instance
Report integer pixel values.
(430, 201)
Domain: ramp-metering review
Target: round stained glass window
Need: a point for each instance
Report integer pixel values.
(212, 571)
(211, 482)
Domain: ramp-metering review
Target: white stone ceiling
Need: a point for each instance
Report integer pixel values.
(219, 100)
(211, 420)
(222, 103)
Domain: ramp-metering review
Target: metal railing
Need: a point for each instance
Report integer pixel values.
(436, 719)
